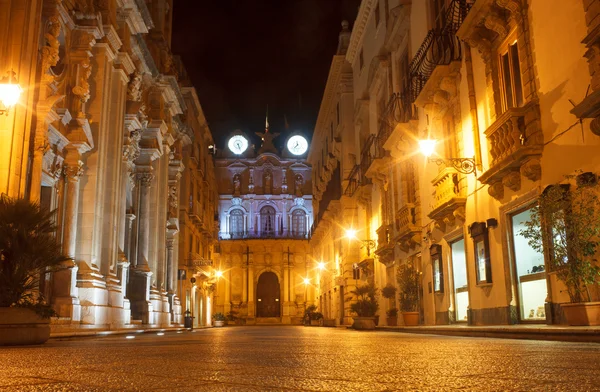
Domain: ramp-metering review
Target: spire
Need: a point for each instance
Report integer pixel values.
(267, 120)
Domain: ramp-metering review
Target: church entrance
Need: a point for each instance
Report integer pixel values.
(267, 296)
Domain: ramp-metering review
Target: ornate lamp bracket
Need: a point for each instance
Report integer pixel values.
(462, 165)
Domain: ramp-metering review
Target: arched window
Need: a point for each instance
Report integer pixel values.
(298, 223)
(236, 223)
(267, 221)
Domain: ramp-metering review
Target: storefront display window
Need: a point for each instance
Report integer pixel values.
(531, 272)
(438, 271)
(459, 275)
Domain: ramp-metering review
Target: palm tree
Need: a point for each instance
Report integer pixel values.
(28, 247)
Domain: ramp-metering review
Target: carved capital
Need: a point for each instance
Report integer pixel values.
(73, 172)
(145, 179)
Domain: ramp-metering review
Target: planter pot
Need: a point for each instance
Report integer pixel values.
(19, 326)
(376, 320)
(315, 323)
(364, 323)
(584, 313)
(218, 323)
(329, 322)
(392, 321)
(410, 318)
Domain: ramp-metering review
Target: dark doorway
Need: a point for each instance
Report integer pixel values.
(267, 295)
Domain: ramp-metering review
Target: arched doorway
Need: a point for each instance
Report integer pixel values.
(267, 295)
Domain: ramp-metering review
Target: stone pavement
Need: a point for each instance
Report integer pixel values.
(299, 358)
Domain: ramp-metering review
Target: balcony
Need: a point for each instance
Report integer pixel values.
(195, 213)
(268, 235)
(354, 179)
(449, 198)
(372, 161)
(385, 244)
(438, 59)
(198, 262)
(408, 226)
(516, 143)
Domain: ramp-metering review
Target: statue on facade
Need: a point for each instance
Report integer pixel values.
(268, 182)
(299, 182)
(236, 184)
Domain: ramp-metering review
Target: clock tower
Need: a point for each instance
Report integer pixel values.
(265, 215)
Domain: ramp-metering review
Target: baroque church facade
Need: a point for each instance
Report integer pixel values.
(263, 264)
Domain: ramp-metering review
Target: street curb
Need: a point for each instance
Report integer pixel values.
(550, 334)
(101, 333)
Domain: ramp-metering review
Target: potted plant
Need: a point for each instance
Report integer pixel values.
(566, 224)
(28, 248)
(219, 320)
(389, 292)
(365, 307)
(408, 283)
(311, 316)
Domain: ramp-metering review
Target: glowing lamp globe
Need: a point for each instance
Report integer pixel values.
(427, 147)
(9, 94)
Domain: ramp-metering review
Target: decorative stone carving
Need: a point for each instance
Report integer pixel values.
(73, 172)
(145, 179)
(50, 52)
(251, 181)
(284, 187)
(512, 180)
(299, 201)
(82, 89)
(134, 88)
(236, 201)
(496, 190)
(532, 169)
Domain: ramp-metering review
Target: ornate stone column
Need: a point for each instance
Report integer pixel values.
(139, 283)
(65, 298)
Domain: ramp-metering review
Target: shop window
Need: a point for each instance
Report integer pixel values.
(510, 77)
(483, 266)
(530, 271)
(460, 282)
(435, 251)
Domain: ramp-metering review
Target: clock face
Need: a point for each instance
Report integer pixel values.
(238, 144)
(297, 145)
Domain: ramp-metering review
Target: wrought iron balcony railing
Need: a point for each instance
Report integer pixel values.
(440, 47)
(354, 179)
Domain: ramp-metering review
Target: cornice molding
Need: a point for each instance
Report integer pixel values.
(333, 80)
(358, 30)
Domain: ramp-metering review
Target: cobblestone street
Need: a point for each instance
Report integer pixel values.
(299, 358)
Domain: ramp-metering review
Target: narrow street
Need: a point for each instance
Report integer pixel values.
(299, 359)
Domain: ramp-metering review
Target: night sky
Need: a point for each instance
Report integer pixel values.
(243, 55)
